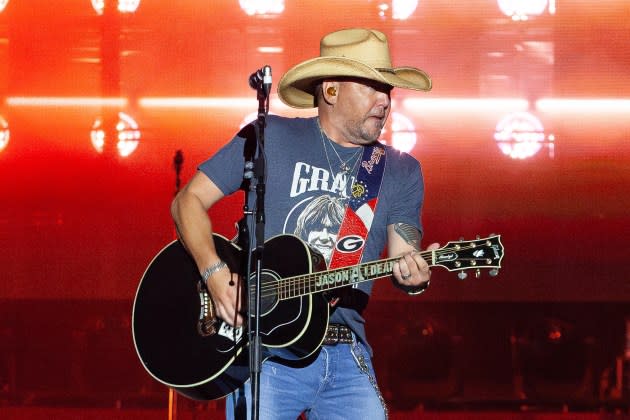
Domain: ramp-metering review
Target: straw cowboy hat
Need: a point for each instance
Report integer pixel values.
(362, 53)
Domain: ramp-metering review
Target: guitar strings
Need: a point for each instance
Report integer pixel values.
(308, 278)
(306, 281)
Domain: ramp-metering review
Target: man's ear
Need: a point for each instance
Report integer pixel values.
(330, 89)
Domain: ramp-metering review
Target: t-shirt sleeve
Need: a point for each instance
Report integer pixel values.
(407, 200)
(225, 168)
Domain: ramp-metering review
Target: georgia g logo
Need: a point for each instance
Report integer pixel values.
(350, 243)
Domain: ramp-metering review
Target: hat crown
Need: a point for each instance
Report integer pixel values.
(365, 45)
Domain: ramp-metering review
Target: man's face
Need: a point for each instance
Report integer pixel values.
(323, 241)
(363, 106)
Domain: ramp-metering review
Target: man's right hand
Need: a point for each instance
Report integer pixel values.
(228, 296)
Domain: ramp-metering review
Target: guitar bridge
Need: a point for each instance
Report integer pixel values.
(206, 325)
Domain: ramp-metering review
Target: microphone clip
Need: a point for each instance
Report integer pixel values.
(261, 81)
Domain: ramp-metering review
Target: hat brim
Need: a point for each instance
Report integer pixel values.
(296, 87)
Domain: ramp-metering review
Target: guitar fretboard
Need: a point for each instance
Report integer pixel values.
(321, 281)
(481, 253)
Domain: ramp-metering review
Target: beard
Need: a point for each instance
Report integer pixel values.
(367, 130)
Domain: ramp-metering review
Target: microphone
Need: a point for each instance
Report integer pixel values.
(267, 80)
(261, 79)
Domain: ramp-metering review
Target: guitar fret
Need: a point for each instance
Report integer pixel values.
(331, 279)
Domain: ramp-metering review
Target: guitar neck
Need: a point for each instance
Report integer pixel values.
(322, 281)
(454, 256)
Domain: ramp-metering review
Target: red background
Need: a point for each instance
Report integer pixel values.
(78, 227)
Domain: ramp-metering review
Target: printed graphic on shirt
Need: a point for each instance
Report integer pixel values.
(317, 216)
(308, 179)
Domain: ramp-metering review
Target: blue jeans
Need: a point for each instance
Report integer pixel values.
(340, 384)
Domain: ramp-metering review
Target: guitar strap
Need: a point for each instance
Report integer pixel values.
(360, 210)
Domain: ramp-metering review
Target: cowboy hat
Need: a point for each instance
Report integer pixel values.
(362, 53)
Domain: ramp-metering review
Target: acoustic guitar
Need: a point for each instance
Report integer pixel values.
(183, 345)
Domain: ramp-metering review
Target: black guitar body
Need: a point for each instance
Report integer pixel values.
(171, 301)
(184, 346)
(290, 328)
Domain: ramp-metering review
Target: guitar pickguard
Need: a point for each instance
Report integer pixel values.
(231, 334)
(206, 326)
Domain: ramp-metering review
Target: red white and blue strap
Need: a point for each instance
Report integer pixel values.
(360, 210)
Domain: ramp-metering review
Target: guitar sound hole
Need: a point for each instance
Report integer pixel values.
(269, 291)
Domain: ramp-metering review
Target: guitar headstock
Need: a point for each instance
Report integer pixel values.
(462, 255)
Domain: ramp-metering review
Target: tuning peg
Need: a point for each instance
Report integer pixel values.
(494, 272)
(462, 275)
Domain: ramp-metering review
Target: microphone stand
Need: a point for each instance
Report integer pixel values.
(254, 256)
(178, 162)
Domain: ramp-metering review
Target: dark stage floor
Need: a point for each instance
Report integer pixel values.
(76, 359)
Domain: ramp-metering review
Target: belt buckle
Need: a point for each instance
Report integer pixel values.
(332, 335)
(344, 335)
(336, 334)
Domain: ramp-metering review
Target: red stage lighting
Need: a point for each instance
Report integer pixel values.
(398, 9)
(262, 7)
(127, 132)
(524, 9)
(124, 6)
(4, 133)
(400, 133)
(520, 135)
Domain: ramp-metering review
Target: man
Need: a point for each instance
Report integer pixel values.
(314, 163)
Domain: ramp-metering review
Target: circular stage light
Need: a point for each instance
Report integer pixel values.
(124, 6)
(127, 132)
(4, 133)
(522, 9)
(262, 7)
(400, 133)
(520, 135)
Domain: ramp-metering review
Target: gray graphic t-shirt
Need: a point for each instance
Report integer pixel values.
(308, 184)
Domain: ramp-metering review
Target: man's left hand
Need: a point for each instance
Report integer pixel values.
(411, 270)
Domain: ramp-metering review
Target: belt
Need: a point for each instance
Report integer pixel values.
(336, 334)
